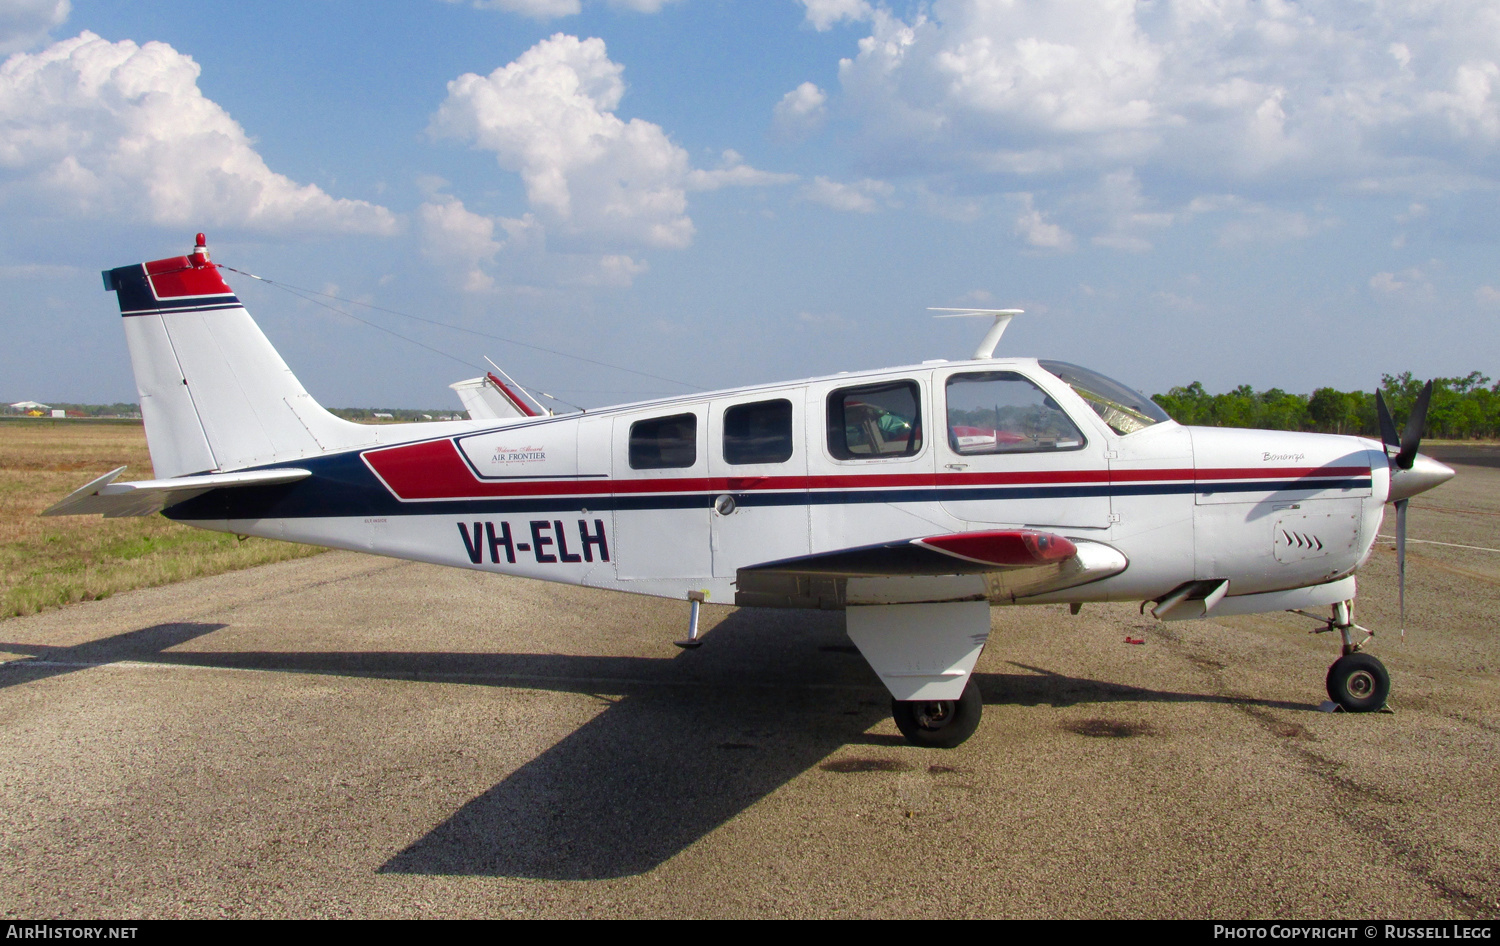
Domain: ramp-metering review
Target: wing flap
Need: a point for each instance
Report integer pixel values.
(998, 566)
(112, 500)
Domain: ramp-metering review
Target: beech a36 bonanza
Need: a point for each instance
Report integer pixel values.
(913, 499)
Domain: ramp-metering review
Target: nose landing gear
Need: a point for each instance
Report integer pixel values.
(1357, 681)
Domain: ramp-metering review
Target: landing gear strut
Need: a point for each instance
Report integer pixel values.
(939, 724)
(1357, 681)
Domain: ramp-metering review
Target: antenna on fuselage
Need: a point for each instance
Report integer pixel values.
(991, 338)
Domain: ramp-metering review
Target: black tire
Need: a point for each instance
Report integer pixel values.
(1359, 683)
(939, 724)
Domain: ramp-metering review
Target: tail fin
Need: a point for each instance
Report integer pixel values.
(214, 394)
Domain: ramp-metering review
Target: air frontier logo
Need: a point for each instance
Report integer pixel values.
(519, 455)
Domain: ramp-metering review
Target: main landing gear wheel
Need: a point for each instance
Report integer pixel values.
(1359, 683)
(939, 724)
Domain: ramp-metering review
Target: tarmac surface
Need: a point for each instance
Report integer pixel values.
(347, 736)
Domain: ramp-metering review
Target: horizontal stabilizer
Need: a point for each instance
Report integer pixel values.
(144, 497)
(489, 398)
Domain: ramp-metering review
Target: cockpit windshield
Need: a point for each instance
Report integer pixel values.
(1124, 410)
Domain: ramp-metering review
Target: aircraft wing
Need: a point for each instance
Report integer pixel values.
(997, 566)
(146, 497)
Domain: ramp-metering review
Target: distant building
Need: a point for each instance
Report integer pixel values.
(24, 406)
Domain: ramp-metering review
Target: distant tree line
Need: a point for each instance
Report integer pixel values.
(395, 414)
(1461, 409)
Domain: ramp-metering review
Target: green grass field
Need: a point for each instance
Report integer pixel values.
(51, 562)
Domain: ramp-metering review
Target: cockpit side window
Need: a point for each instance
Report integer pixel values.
(875, 420)
(1123, 409)
(1004, 412)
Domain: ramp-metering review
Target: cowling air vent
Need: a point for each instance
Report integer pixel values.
(1297, 540)
(1301, 537)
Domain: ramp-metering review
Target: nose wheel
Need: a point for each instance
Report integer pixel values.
(939, 724)
(1359, 683)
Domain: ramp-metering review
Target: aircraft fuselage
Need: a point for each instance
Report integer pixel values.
(674, 496)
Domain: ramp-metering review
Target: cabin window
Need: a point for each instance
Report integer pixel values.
(664, 443)
(1123, 409)
(758, 433)
(1004, 412)
(876, 420)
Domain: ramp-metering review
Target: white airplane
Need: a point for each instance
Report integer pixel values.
(913, 499)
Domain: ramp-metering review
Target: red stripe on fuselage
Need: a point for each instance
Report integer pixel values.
(436, 470)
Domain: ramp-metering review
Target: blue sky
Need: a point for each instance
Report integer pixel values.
(723, 193)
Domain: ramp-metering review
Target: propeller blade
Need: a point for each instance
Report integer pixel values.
(1401, 559)
(1387, 423)
(1411, 438)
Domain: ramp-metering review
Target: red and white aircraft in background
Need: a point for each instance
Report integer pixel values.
(913, 499)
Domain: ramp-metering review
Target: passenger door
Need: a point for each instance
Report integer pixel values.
(661, 506)
(758, 467)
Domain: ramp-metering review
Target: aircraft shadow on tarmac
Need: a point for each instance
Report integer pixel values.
(685, 745)
(147, 644)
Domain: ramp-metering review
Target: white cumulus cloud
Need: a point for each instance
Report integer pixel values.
(614, 269)
(536, 9)
(1370, 93)
(94, 128)
(1036, 230)
(457, 238)
(552, 9)
(801, 111)
(589, 174)
(859, 197)
(1391, 283)
(24, 23)
(823, 15)
(1124, 213)
(641, 6)
(734, 172)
